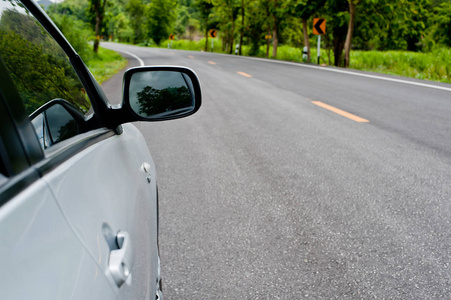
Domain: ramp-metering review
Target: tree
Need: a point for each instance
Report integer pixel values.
(305, 9)
(97, 9)
(226, 12)
(135, 10)
(256, 25)
(183, 20)
(275, 12)
(336, 12)
(204, 10)
(442, 25)
(160, 19)
(352, 6)
(242, 27)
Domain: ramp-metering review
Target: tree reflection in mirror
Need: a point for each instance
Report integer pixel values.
(160, 93)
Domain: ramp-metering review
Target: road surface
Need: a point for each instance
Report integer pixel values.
(301, 182)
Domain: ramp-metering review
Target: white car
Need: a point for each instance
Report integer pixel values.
(78, 192)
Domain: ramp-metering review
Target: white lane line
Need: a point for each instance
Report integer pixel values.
(141, 62)
(357, 74)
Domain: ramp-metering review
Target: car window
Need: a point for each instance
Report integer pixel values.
(41, 72)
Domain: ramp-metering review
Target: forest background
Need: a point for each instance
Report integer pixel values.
(403, 37)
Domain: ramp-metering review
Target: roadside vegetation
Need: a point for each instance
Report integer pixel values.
(403, 37)
(104, 63)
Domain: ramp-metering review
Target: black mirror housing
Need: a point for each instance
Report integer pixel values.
(156, 93)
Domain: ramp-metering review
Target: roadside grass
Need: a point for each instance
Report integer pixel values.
(187, 45)
(105, 64)
(435, 65)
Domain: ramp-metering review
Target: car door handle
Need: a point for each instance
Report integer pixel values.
(146, 168)
(121, 259)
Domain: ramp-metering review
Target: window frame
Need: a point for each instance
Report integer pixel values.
(99, 102)
(20, 151)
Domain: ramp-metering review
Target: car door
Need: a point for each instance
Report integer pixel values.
(41, 256)
(105, 192)
(100, 181)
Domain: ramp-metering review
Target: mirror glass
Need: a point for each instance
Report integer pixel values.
(160, 93)
(53, 125)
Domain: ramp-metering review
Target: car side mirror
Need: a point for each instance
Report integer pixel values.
(56, 121)
(161, 92)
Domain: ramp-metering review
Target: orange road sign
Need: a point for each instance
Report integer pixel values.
(213, 33)
(319, 26)
(268, 37)
(171, 36)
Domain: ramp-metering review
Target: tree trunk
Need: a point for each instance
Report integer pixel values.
(97, 39)
(338, 50)
(306, 40)
(99, 9)
(275, 38)
(242, 27)
(231, 40)
(268, 43)
(224, 43)
(350, 32)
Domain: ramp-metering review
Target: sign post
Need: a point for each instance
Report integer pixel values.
(319, 28)
(171, 37)
(212, 34)
(318, 51)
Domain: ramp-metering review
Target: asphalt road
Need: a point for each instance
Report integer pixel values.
(264, 194)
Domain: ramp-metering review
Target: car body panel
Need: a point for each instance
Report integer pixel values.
(41, 266)
(112, 194)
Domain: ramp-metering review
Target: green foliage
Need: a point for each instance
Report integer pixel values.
(76, 32)
(160, 19)
(441, 24)
(392, 24)
(74, 8)
(39, 68)
(304, 9)
(183, 20)
(121, 29)
(415, 25)
(136, 18)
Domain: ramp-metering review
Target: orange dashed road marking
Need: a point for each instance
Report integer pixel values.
(244, 74)
(340, 112)
(212, 63)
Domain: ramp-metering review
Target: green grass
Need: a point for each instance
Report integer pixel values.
(435, 65)
(105, 64)
(188, 45)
